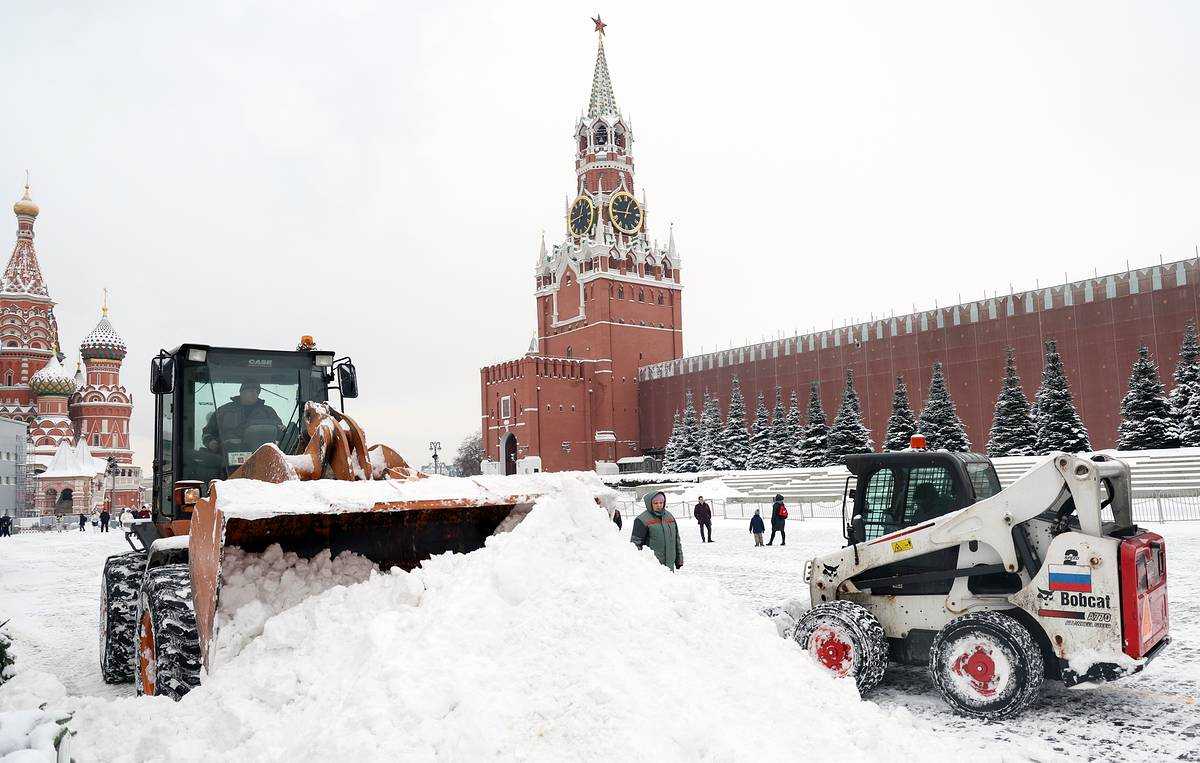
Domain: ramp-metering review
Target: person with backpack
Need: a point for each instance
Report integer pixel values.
(104, 517)
(779, 515)
(703, 514)
(757, 528)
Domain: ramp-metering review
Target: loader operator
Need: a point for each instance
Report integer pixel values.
(227, 428)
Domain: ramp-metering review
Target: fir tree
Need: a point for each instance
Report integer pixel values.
(814, 446)
(737, 438)
(779, 432)
(848, 435)
(760, 438)
(1058, 424)
(687, 447)
(670, 449)
(712, 450)
(1187, 384)
(1146, 421)
(794, 434)
(939, 421)
(902, 424)
(1013, 432)
(1189, 423)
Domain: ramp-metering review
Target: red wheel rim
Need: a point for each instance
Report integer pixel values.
(832, 648)
(979, 669)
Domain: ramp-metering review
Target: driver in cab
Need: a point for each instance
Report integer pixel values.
(227, 427)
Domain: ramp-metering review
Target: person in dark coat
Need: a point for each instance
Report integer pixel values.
(655, 527)
(82, 522)
(227, 427)
(5, 526)
(757, 528)
(617, 518)
(104, 517)
(703, 515)
(778, 520)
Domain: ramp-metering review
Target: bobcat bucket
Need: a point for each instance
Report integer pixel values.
(392, 523)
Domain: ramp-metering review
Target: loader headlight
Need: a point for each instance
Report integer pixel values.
(323, 359)
(197, 355)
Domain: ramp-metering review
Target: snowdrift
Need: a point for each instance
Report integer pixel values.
(556, 641)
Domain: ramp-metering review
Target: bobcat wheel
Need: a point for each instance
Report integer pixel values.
(845, 639)
(987, 665)
(119, 586)
(168, 647)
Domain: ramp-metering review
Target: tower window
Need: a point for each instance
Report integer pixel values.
(600, 136)
(582, 143)
(641, 296)
(620, 292)
(660, 299)
(570, 352)
(8, 379)
(619, 137)
(667, 268)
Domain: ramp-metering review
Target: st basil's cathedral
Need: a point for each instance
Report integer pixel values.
(77, 457)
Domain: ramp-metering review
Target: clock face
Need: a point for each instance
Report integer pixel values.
(581, 217)
(625, 212)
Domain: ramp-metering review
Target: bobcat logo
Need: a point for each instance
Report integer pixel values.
(1044, 595)
(830, 570)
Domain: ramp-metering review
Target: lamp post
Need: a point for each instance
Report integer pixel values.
(111, 469)
(435, 446)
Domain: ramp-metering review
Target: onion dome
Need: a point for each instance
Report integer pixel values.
(25, 205)
(103, 342)
(53, 379)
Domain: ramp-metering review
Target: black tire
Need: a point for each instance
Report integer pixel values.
(845, 639)
(173, 662)
(987, 665)
(119, 585)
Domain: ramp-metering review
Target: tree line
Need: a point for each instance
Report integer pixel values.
(781, 438)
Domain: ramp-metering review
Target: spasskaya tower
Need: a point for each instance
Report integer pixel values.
(608, 302)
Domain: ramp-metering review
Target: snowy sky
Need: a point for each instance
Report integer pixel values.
(377, 174)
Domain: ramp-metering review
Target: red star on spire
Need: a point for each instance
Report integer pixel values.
(599, 24)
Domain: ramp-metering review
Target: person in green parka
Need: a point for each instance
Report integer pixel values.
(655, 527)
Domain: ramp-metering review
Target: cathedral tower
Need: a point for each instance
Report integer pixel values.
(102, 406)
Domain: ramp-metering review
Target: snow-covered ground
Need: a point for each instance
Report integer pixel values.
(49, 588)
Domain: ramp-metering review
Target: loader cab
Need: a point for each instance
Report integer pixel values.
(894, 491)
(214, 406)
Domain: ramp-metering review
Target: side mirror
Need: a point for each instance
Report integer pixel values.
(162, 375)
(347, 380)
(858, 529)
(852, 494)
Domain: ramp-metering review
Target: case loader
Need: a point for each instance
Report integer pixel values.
(994, 590)
(225, 414)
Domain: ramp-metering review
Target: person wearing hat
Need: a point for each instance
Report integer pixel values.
(779, 515)
(703, 514)
(655, 527)
(227, 427)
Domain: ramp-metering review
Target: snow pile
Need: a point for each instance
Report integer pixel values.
(256, 587)
(556, 641)
(28, 732)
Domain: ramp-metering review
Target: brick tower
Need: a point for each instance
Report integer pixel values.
(102, 406)
(608, 302)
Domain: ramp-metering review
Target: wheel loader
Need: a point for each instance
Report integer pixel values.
(226, 414)
(994, 590)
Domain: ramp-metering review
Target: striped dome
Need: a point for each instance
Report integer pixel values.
(53, 379)
(103, 342)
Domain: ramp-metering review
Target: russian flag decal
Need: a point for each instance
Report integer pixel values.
(1069, 577)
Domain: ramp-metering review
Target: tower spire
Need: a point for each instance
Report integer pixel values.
(602, 100)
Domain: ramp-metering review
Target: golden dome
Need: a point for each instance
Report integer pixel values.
(25, 205)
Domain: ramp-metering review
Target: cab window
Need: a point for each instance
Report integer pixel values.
(983, 480)
(929, 494)
(879, 503)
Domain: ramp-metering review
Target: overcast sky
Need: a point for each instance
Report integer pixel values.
(378, 174)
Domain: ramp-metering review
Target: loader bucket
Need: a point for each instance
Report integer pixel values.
(391, 533)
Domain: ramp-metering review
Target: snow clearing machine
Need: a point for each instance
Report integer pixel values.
(994, 590)
(225, 415)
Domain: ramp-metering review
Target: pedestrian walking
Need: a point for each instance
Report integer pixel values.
(655, 527)
(5, 526)
(757, 528)
(82, 522)
(703, 514)
(104, 517)
(779, 514)
(617, 518)
(59, 524)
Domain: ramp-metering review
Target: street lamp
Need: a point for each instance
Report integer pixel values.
(435, 446)
(111, 469)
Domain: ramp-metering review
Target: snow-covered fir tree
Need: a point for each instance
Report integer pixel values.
(1146, 421)
(760, 438)
(737, 437)
(779, 432)
(848, 435)
(939, 421)
(903, 422)
(1059, 426)
(793, 435)
(670, 449)
(687, 446)
(814, 445)
(1189, 422)
(1013, 432)
(711, 439)
(1186, 386)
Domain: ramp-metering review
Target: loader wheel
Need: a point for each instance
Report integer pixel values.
(846, 640)
(168, 647)
(987, 665)
(118, 614)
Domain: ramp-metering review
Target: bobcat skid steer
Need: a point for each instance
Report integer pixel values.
(995, 590)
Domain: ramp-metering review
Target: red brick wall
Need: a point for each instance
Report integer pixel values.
(1098, 338)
